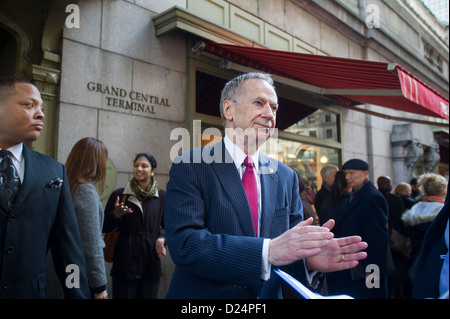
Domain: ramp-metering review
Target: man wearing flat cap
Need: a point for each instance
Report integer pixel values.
(366, 215)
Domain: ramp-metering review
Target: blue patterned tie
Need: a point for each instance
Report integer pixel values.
(9, 179)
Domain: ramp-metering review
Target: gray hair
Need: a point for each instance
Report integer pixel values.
(233, 88)
(328, 169)
(432, 184)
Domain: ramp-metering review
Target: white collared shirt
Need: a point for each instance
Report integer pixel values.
(238, 157)
(18, 159)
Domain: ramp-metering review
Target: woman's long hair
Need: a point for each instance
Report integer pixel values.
(87, 163)
(338, 187)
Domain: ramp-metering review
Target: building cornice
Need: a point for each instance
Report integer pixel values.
(379, 40)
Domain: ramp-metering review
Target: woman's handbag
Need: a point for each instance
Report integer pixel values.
(400, 243)
(111, 239)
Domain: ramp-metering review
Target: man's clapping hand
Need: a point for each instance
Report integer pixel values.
(317, 246)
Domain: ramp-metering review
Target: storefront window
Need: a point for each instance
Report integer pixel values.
(306, 160)
(320, 124)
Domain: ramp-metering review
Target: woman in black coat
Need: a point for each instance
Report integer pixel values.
(137, 211)
(333, 207)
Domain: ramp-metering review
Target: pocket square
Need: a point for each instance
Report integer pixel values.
(55, 183)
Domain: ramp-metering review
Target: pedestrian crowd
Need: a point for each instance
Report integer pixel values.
(228, 224)
(404, 222)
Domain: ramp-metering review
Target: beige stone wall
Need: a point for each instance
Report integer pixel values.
(116, 47)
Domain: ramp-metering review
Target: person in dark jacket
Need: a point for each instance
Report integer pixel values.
(41, 217)
(400, 257)
(138, 212)
(404, 191)
(333, 207)
(421, 215)
(327, 173)
(430, 272)
(367, 216)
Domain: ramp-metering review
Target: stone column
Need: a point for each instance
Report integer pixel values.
(431, 157)
(406, 152)
(46, 78)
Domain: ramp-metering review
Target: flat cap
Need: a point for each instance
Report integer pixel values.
(356, 164)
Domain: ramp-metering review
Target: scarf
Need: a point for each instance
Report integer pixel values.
(148, 192)
(433, 199)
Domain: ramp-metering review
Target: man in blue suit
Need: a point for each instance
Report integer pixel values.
(218, 250)
(42, 215)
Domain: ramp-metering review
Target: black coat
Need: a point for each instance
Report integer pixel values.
(408, 201)
(135, 254)
(42, 218)
(335, 211)
(319, 200)
(396, 210)
(366, 215)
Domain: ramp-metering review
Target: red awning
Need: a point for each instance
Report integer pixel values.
(362, 81)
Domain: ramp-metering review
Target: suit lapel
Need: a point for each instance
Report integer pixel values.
(227, 175)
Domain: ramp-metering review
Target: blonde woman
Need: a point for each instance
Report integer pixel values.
(422, 214)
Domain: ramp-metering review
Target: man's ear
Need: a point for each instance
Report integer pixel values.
(228, 109)
(366, 174)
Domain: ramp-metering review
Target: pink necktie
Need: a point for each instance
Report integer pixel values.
(249, 181)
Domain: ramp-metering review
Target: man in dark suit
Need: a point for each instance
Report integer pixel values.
(366, 215)
(224, 242)
(40, 215)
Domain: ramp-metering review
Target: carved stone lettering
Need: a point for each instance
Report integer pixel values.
(116, 97)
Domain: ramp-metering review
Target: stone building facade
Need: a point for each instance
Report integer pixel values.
(125, 71)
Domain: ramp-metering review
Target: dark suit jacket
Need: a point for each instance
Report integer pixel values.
(42, 217)
(366, 215)
(427, 269)
(209, 228)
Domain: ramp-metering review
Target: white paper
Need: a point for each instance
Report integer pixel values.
(302, 290)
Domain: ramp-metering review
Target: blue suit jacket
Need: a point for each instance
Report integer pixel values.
(43, 217)
(209, 228)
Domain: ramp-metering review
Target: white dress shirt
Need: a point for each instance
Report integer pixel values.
(238, 157)
(17, 159)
